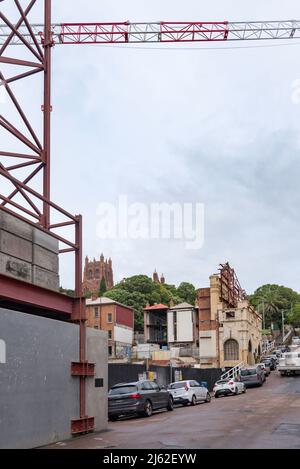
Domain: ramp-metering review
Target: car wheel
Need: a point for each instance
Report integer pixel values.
(236, 391)
(185, 404)
(148, 409)
(208, 397)
(113, 418)
(170, 405)
(194, 400)
(217, 396)
(244, 390)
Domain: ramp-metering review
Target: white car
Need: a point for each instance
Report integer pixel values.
(188, 392)
(296, 340)
(224, 387)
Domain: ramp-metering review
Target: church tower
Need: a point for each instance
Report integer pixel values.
(94, 272)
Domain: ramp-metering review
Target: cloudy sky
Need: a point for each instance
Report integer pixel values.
(211, 124)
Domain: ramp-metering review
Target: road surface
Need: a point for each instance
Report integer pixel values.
(267, 417)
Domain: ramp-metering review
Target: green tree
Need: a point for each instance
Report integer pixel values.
(102, 288)
(293, 317)
(187, 292)
(67, 291)
(272, 299)
(139, 290)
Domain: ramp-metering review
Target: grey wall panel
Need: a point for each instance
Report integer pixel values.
(38, 396)
(97, 352)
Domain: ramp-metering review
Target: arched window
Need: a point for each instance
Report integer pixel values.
(97, 273)
(231, 350)
(90, 274)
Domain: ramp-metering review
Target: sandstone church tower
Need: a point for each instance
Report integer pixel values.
(94, 272)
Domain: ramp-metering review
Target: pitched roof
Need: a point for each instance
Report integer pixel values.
(155, 307)
(105, 301)
(183, 306)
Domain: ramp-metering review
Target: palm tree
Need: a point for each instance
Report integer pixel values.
(269, 304)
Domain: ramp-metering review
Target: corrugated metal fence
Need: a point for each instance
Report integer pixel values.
(124, 373)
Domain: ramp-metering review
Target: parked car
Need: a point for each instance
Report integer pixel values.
(189, 392)
(271, 361)
(139, 398)
(266, 368)
(252, 376)
(296, 340)
(225, 387)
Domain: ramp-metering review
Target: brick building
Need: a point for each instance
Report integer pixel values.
(94, 272)
(117, 320)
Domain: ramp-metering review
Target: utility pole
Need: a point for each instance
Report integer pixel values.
(263, 316)
(282, 323)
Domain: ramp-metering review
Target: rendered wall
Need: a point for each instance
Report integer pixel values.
(38, 396)
(96, 389)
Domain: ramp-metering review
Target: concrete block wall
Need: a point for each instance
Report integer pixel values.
(28, 254)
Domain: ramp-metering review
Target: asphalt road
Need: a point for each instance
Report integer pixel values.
(267, 417)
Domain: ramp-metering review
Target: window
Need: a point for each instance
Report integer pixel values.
(230, 314)
(90, 274)
(122, 390)
(109, 334)
(175, 325)
(109, 317)
(96, 327)
(97, 273)
(231, 350)
(146, 386)
(154, 386)
(109, 350)
(96, 312)
(195, 384)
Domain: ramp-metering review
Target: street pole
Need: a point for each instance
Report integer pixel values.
(282, 323)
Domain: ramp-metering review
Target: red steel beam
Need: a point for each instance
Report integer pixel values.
(17, 291)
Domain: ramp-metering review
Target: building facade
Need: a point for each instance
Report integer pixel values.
(117, 320)
(155, 324)
(94, 272)
(183, 326)
(229, 328)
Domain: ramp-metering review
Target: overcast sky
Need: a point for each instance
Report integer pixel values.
(210, 124)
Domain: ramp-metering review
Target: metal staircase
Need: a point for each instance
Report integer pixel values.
(233, 372)
(267, 347)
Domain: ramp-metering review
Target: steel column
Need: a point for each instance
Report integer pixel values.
(48, 43)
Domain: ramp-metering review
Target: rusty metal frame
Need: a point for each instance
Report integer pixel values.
(35, 206)
(231, 291)
(82, 369)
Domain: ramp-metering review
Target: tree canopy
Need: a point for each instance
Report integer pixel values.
(140, 290)
(272, 300)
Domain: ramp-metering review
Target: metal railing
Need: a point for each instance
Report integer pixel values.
(267, 347)
(233, 372)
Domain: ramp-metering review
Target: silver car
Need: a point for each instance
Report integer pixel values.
(188, 392)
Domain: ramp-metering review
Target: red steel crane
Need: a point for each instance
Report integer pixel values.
(35, 206)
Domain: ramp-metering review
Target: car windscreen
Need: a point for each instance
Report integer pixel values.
(248, 372)
(224, 381)
(122, 390)
(177, 385)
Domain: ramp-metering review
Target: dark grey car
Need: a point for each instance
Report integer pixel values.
(252, 376)
(138, 398)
